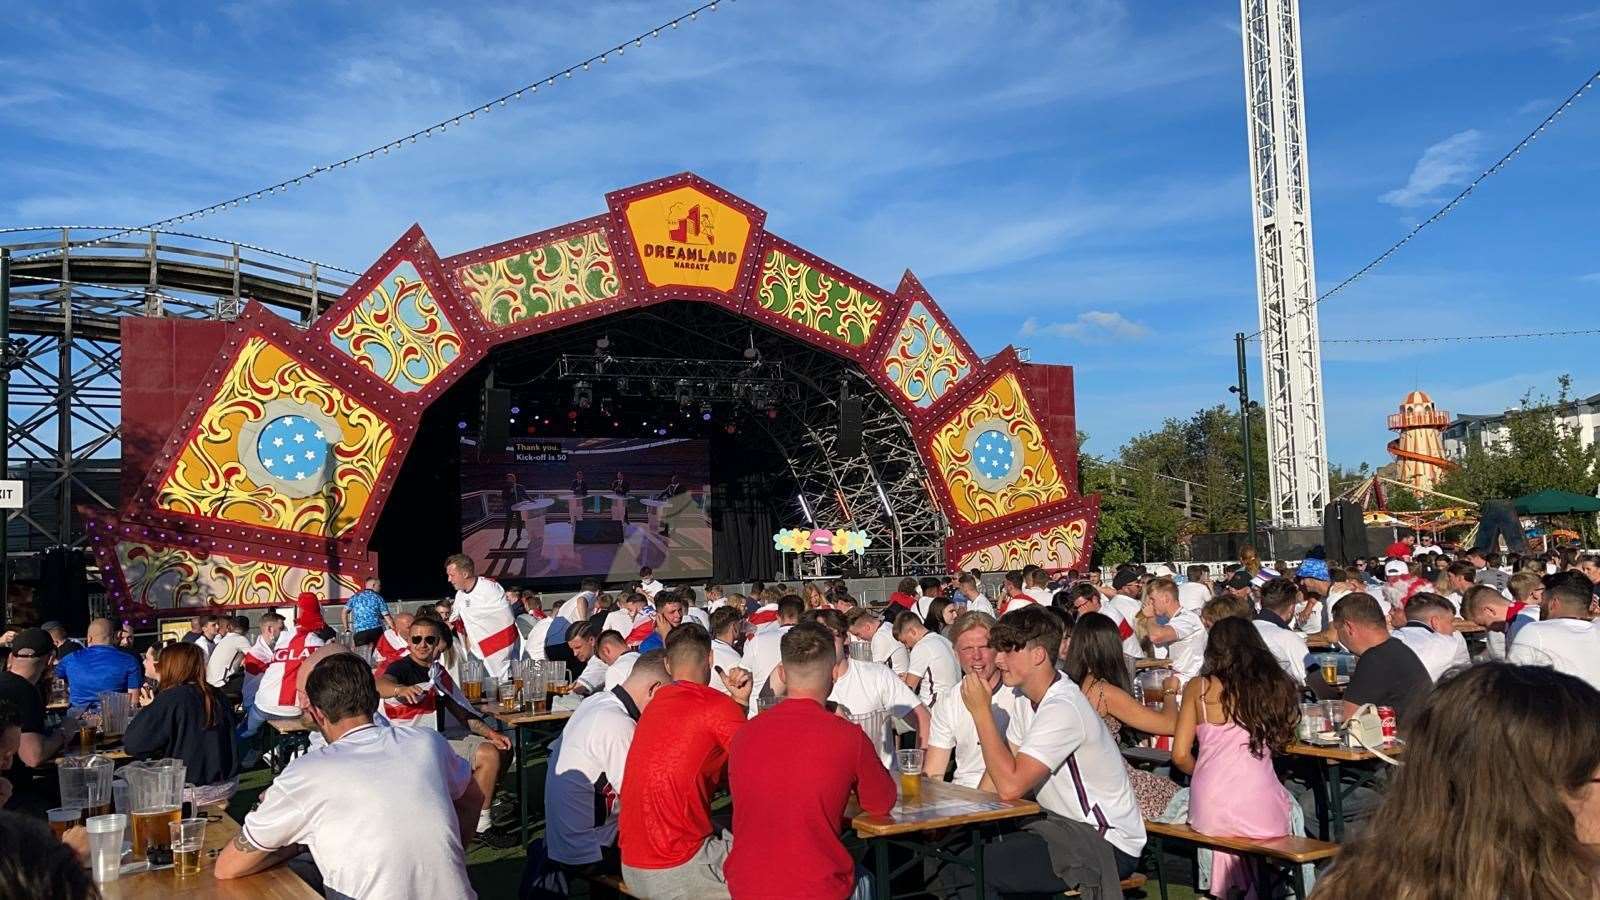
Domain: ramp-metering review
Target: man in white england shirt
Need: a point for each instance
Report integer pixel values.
(483, 614)
(1279, 598)
(727, 625)
(1125, 596)
(587, 766)
(967, 592)
(1183, 636)
(403, 838)
(932, 669)
(1566, 639)
(1430, 632)
(648, 584)
(1056, 749)
(227, 657)
(861, 688)
(952, 730)
(628, 615)
(575, 609)
(867, 626)
(1087, 598)
(927, 592)
(763, 652)
(1035, 585)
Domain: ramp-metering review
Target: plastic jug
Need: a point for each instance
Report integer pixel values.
(86, 783)
(155, 792)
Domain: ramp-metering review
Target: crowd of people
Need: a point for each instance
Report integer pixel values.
(795, 701)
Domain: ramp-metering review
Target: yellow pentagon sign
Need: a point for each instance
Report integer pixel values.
(686, 239)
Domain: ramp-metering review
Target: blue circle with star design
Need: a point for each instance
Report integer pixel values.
(293, 448)
(994, 454)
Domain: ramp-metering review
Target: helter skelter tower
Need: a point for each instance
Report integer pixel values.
(1286, 282)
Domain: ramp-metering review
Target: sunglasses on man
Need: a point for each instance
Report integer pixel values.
(431, 640)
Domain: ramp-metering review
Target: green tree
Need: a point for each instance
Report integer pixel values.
(1537, 452)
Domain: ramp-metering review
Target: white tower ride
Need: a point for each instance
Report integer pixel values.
(1286, 282)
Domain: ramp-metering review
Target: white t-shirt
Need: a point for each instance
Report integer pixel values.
(762, 654)
(226, 658)
(588, 763)
(534, 631)
(952, 729)
(593, 675)
(623, 622)
(698, 616)
(1193, 596)
(1069, 738)
(620, 669)
(1567, 645)
(885, 649)
(328, 800)
(725, 657)
(934, 661)
(650, 588)
(870, 687)
(564, 617)
(978, 603)
(1188, 652)
(1039, 595)
(1439, 652)
(1125, 626)
(920, 607)
(1127, 610)
(1288, 648)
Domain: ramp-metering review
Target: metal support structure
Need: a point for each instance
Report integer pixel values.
(5, 435)
(1297, 448)
(1243, 390)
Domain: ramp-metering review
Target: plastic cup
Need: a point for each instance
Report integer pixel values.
(188, 838)
(63, 818)
(105, 845)
(1330, 668)
(909, 763)
(861, 651)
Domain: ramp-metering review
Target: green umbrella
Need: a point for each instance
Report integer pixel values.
(1556, 503)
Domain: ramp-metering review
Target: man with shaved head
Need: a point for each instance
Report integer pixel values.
(100, 667)
(394, 643)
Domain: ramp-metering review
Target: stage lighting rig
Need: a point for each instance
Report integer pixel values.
(582, 395)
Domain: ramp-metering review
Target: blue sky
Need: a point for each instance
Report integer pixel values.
(1069, 177)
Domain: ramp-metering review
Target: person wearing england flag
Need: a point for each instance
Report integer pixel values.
(275, 697)
(483, 614)
(418, 692)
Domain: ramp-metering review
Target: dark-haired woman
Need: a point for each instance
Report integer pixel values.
(942, 613)
(187, 719)
(1095, 663)
(1242, 708)
(1457, 821)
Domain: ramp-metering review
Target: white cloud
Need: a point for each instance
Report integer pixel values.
(1092, 324)
(1592, 277)
(1450, 161)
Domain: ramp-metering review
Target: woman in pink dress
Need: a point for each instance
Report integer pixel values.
(1242, 708)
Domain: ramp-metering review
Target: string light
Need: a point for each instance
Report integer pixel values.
(1455, 201)
(1460, 338)
(384, 148)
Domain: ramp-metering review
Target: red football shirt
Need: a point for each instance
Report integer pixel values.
(791, 772)
(679, 750)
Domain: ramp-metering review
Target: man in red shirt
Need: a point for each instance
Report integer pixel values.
(680, 749)
(818, 759)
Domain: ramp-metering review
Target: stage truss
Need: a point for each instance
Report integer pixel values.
(954, 452)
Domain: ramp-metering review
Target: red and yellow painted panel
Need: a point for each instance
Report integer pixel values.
(164, 577)
(279, 447)
(817, 300)
(560, 275)
(1059, 547)
(923, 361)
(686, 238)
(399, 332)
(993, 458)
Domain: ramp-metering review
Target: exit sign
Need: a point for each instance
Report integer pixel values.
(10, 494)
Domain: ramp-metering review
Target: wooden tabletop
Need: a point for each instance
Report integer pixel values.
(1341, 753)
(525, 718)
(288, 726)
(1143, 664)
(941, 805)
(276, 883)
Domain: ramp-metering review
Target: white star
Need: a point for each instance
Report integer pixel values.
(277, 442)
(299, 475)
(288, 420)
(982, 460)
(311, 454)
(299, 438)
(318, 435)
(267, 463)
(288, 458)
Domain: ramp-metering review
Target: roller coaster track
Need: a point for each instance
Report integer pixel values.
(70, 288)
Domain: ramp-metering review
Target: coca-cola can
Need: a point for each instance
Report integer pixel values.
(1386, 717)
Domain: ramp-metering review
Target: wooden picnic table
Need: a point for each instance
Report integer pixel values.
(1327, 762)
(277, 883)
(1143, 664)
(291, 737)
(527, 728)
(939, 806)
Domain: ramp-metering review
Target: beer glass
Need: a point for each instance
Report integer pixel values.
(62, 818)
(114, 712)
(909, 764)
(188, 837)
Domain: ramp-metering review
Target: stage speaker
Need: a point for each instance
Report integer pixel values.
(494, 420)
(63, 593)
(849, 442)
(597, 531)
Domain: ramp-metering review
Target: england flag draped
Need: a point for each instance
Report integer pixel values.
(484, 616)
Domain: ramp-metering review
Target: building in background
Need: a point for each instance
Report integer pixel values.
(1419, 451)
(1582, 415)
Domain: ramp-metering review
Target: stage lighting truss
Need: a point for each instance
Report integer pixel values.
(759, 384)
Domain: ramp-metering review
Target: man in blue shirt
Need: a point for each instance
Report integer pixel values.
(669, 615)
(367, 614)
(100, 667)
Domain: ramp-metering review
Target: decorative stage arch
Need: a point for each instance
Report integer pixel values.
(273, 479)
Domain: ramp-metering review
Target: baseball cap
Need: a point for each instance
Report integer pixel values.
(1395, 568)
(34, 640)
(1239, 580)
(1124, 578)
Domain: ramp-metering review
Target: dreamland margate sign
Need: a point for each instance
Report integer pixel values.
(687, 238)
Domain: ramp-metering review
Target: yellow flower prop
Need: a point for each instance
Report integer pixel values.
(792, 540)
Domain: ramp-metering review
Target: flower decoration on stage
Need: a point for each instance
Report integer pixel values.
(792, 540)
(851, 542)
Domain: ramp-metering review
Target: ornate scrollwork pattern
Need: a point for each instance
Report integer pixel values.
(559, 275)
(924, 362)
(1032, 476)
(165, 577)
(1057, 547)
(209, 479)
(818, 301)
(398, 332)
